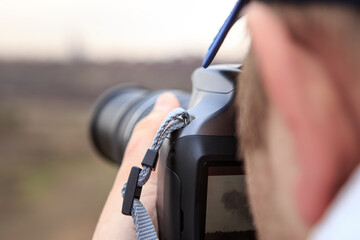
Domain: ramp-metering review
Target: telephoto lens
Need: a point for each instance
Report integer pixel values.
(116, 113)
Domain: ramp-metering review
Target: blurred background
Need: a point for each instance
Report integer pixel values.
(56, 57)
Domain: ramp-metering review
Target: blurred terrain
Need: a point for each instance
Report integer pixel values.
(52, 183)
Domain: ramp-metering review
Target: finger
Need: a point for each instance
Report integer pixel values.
(112, 224)
(145, 131)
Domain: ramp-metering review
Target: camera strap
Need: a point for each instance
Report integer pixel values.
(131, 191)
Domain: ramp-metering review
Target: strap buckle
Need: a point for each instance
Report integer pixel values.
(150, 159)
(132, 191)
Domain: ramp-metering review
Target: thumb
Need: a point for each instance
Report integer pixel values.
(145, 130)
(164, 104)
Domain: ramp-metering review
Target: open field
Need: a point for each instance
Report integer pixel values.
(52, 183)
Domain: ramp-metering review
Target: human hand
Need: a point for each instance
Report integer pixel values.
(112, 223)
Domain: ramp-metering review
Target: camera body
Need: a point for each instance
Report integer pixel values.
(201, 190)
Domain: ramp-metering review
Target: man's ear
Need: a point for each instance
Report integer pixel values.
(299, 86)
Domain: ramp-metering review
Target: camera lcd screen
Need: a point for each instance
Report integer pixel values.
(227, 209)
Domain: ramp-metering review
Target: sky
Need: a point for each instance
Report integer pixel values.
(106, 30)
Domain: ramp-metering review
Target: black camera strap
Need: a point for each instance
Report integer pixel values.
(131, 191)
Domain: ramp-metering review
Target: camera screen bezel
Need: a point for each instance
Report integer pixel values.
(204, 188)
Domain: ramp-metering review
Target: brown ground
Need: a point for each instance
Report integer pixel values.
(52, 184)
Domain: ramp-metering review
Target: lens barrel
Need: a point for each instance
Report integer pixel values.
(116, 113)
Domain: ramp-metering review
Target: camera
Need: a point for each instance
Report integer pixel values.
(201, 192)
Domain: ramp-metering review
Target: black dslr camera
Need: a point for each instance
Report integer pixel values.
(201, 188)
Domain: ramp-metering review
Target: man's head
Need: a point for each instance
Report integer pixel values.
(299, 118)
